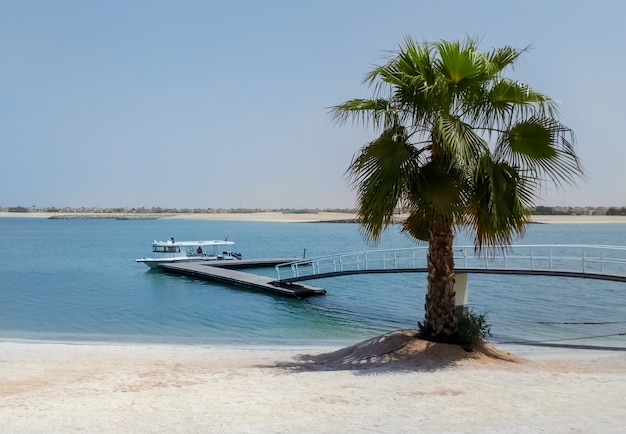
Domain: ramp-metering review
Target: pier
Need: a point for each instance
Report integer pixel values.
(577, 261)
(225, 272)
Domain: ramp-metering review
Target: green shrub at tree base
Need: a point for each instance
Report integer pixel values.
(472, 330)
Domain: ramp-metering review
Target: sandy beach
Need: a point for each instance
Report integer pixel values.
(61, 387)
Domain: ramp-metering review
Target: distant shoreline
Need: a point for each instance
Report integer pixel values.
(578, 219)
(253, 216)
(284, 217)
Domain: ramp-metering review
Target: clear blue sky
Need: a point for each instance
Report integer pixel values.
(225, 104)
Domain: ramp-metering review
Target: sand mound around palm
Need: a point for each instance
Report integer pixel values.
(403, 349)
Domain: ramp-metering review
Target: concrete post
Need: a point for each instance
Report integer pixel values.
(461, 297)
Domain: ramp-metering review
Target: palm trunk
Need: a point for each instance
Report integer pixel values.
(440, 319)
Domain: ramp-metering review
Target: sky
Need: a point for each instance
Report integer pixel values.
(225, 104)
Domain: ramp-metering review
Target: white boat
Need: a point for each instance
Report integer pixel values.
(171, 252)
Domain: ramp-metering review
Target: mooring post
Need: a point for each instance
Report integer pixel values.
(461, 297)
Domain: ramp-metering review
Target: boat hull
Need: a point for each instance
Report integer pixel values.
(155, 262)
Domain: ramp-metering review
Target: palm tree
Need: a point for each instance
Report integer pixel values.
(461, 148)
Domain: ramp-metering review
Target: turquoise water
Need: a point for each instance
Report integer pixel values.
(76, 280)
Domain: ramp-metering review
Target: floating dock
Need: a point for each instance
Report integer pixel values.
(224, 271)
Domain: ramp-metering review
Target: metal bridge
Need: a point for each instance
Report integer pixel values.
(565, 260)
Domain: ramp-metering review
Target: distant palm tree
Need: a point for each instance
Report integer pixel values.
(462, 147)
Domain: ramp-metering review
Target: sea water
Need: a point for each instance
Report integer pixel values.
(76, 280)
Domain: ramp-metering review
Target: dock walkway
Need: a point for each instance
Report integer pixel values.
(223, 271)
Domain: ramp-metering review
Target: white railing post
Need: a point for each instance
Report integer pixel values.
(550, 253)
(602, 260)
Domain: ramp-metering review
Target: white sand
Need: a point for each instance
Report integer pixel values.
(54, 387)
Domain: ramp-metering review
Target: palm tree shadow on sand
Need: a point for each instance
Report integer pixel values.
(400, 350)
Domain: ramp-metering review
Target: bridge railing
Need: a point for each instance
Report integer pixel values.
(610, 260)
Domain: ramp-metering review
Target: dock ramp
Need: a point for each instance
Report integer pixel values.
(215, 272)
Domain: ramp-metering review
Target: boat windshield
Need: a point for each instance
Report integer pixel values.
(166, 249)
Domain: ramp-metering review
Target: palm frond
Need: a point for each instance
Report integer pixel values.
(502, 57)
(376, 111)
(460, 63)
(416, 225)
(543, 147)
(521, 96)
(380, 174)
(498, 205)
(460, 141)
